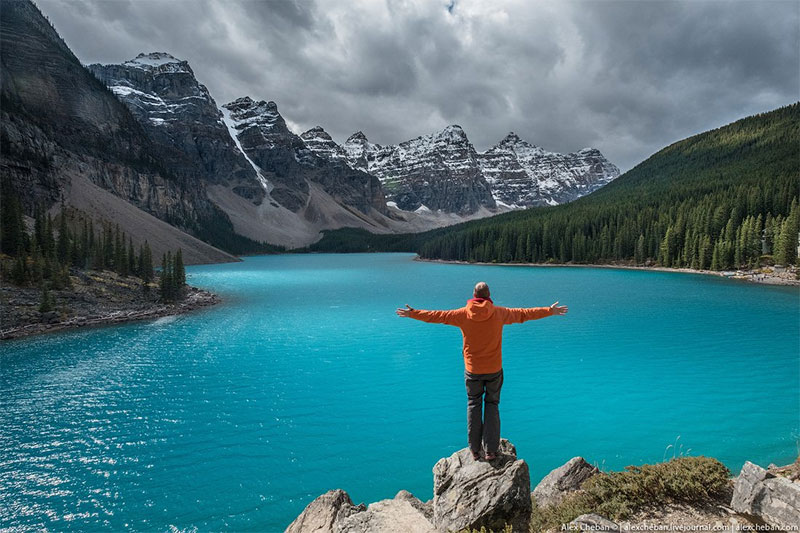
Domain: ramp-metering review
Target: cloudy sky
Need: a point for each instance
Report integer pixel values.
(627, 77)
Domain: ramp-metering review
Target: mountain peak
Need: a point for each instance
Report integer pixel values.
(158, 61)
(357, 137)
(245, 103)
(317, 132)
(454, 129)
(452, 133)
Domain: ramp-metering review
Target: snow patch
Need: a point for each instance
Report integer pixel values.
(231, 125)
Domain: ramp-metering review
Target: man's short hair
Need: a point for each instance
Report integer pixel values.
(481, 290)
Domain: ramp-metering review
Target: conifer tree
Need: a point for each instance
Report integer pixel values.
(63, 245)
(46, 302)
(179, 271)
(131, 257)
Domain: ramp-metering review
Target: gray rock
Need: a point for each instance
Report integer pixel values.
(470, 494)
(562, 480)
(425, 508)
(324, 513)
(760, 494)
(403, 513)
(593, 522)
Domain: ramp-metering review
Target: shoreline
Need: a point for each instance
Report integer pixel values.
(195, 299)
(749, 276)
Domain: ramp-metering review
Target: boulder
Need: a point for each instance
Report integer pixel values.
(470, 494)
(562, 480)
(403, 513)
(760, 494)
(324, 513)
(426, 508)
(593, 522)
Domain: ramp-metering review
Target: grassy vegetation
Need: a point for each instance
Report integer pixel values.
(619, 495)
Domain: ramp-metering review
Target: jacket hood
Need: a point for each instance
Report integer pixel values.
(479, 309)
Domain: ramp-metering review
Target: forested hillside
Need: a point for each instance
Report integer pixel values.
(704, 202)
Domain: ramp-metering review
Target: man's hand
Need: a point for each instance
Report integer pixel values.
(404, 312)
(558, 309)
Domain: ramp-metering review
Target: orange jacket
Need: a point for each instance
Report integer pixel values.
(481, 324)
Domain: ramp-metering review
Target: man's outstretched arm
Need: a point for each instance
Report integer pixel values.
(452, 317)
(523, 314)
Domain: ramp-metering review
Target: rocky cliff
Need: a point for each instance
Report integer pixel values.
(63, 134)
(290, 165)
(179, 115)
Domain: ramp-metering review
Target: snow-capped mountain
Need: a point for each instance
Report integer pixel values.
(179, 114)
(291, 165)
(318, 140)
(434, 172)
(525, 175)
(245, 148)
(263, 176)
(442, 171)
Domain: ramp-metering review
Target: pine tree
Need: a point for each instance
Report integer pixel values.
(46, 302)
(179, 271)
(49, 248)
(131, 257)
(63, 245)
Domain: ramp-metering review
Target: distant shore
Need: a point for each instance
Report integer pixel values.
(97, 299)
(766, 275)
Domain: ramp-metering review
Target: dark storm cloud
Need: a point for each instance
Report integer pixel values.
(627, 77)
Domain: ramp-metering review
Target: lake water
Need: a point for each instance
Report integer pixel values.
(304, 380)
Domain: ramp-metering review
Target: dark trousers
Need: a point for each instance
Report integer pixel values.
(483, 425)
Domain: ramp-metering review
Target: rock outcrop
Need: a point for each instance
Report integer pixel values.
(568, 477)
(403, 513)
(467, 494)
(773, 499)
(472, 494)
(324, 513)
(334, 512)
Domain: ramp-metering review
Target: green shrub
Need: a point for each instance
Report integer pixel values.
(618, 495)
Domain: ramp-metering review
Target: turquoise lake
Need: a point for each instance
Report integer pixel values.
(304, 380)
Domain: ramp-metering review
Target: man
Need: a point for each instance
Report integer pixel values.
(481, 324)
